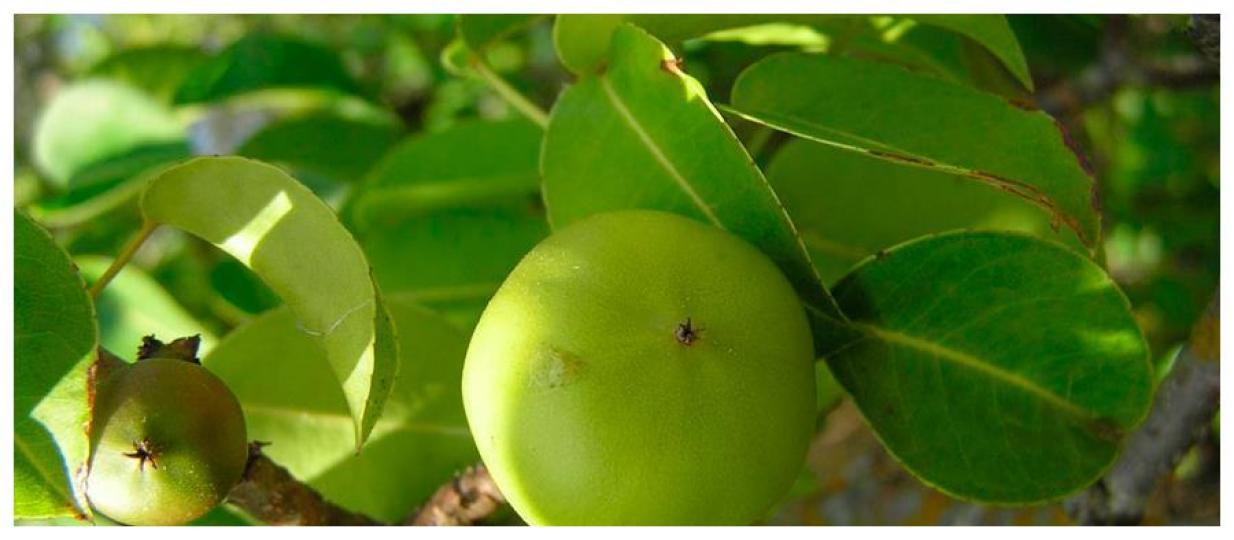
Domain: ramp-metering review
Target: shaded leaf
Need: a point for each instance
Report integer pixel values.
(330, 145)
(479, 31)
(973, 372)
(848, 206)
(278, 228)
(261, 61)
(446, 216)
(914, 120)
(993, 33)
(134, 305)
(97, 121)
(55, 336)
(157, 70)
(419, 443)
(644, 135)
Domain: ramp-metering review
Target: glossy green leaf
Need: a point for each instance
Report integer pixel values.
(847, 205)
(445, 216)
(478, 31)
(915, 120)
(279, 229)
(996, 367)
(54, 338)
(582, 39)
(419, 443)
(340, 148)
(261, 61)
(134, 305)
(96, 121)
(158, 70)
(993, 33)
(644, 135)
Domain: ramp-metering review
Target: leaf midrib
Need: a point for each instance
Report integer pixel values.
(656, 152)
(975, 363)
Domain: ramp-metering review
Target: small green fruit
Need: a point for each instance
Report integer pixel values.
(639, 367)
(168, 443)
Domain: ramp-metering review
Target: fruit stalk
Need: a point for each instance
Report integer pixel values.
(469, 498)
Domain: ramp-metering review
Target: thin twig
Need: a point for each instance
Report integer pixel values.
(272, 495)
(123, 258)
(509, 93)
(469, 498)
(1182, 411)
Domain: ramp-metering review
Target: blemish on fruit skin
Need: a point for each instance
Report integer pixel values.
(558, 368)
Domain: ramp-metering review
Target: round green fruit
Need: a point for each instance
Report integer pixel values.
(638, 367)
(168, 442)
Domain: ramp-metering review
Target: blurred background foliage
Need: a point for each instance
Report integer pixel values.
(385, 105)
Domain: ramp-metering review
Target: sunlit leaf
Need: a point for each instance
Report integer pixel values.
(644, 135)
(582, 39)
(134, 305)
(97, 121)
(279, 229)
(419, 443)
(974, 372)
(915, 120)
(55, 336)
(848, 206)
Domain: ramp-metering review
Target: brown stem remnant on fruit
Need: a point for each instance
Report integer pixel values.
(272, 495)
(1181, 415)
(686, 333)
(471, 497)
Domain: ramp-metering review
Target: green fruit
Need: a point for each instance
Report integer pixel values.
(168, 443)
(638, 367)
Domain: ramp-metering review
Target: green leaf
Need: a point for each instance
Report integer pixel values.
(445, 216)
(261, 61)
(479, 31)
(157, 70)
(419, 443)
(582, 39)
(848, 206)
(55, 336)
(915, 120)
(326, 144)
(279, 229)
(95, 121)
(993, 33)
(134, 305)
(644, 135)
(996, 367)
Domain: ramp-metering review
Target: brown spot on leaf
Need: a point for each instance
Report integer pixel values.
(672, 65)
(1023, 104)
(912, 160)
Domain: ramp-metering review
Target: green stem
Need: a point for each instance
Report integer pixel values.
(508, 93)
(130, 249)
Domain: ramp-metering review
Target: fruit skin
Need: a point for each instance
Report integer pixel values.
(588, 408)
(194, 427)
